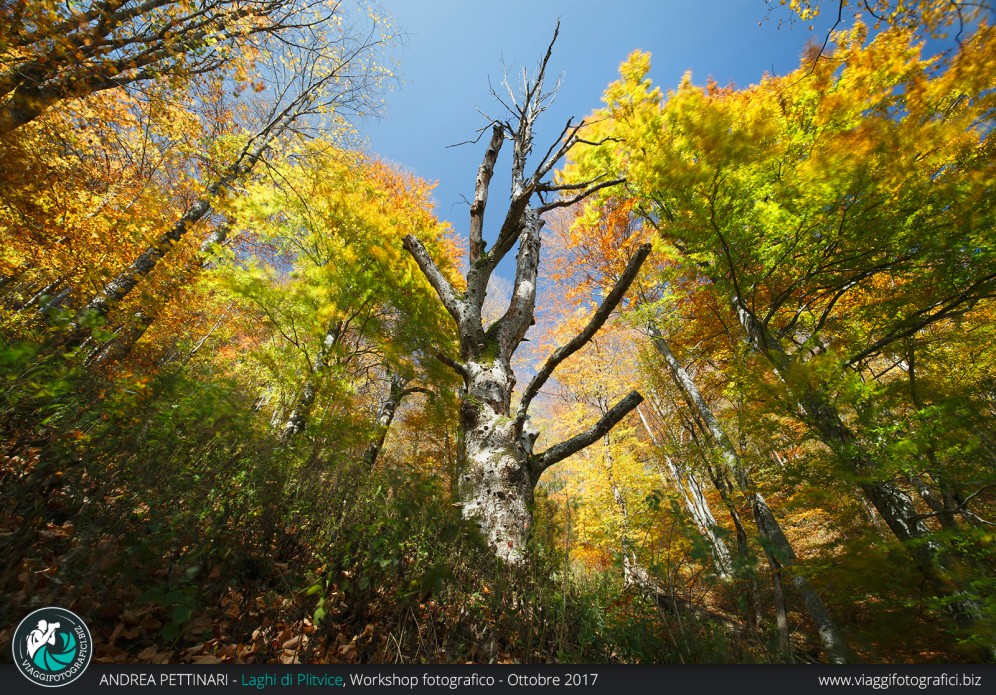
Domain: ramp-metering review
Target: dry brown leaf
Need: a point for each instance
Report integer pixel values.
(294, 642)
(289, 656)
(206, 659)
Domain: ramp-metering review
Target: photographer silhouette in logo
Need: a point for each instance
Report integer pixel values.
(43, 634)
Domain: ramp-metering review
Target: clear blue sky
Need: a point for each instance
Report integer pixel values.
(453, 47)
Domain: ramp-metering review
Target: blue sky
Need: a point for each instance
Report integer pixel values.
(453, 48)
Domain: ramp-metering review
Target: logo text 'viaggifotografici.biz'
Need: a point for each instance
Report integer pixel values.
(52, 647)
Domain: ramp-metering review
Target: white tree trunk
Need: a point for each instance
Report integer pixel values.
(499, 466)
(780, 548)
(494, 486)
(696, 504)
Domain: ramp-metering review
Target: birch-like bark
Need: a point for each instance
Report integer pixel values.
(385, 415)
(499, 468)
(697, 506)
(298, 418)
(40, 295)
(725, 489)
(124, 282)
(781, 551)
(128, 335)
(638, 576)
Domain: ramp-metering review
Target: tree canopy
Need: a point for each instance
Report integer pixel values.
(260, 403)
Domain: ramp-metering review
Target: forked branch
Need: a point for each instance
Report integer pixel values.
(481, 192)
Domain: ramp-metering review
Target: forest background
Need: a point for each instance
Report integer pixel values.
(731, 399)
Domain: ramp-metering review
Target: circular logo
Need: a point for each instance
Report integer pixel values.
(52, 647)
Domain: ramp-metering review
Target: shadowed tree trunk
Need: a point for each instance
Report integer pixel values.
(386, 413)
(892, 503)
(499, 467)
(298, 418)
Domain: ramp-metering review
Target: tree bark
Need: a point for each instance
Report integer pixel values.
(779, 547)
(127, 335)
(697, 506)
(25, 105)
(892, 503)
(124, 282)
(499, 467)
(494, 486)
(386, 413)
(298, 418)
(725, 489)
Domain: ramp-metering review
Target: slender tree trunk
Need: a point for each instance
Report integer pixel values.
(298, 418)
(38, 296)
(781, 615)
(697, 506)
(747, 560)
(767, 525)
(128, 335)
(385, 415)
(892, 503)
(633, 572)
(121, 344)
(124, 282)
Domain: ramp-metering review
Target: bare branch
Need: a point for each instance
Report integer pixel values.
(472, 141)
(510, 228)
(568, 138)
(559, 452)
(597, 320)
(481, 192)
(439, 283)
(459, 367)
(567, 202)
(950, 306)
(962, 508)
(550, 187)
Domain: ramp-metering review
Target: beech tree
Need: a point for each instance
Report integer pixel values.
(500, 467)
(335, 226)
(598, 245)
(832, 213)
(327, 74)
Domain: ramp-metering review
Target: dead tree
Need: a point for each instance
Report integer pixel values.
(499, 467)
